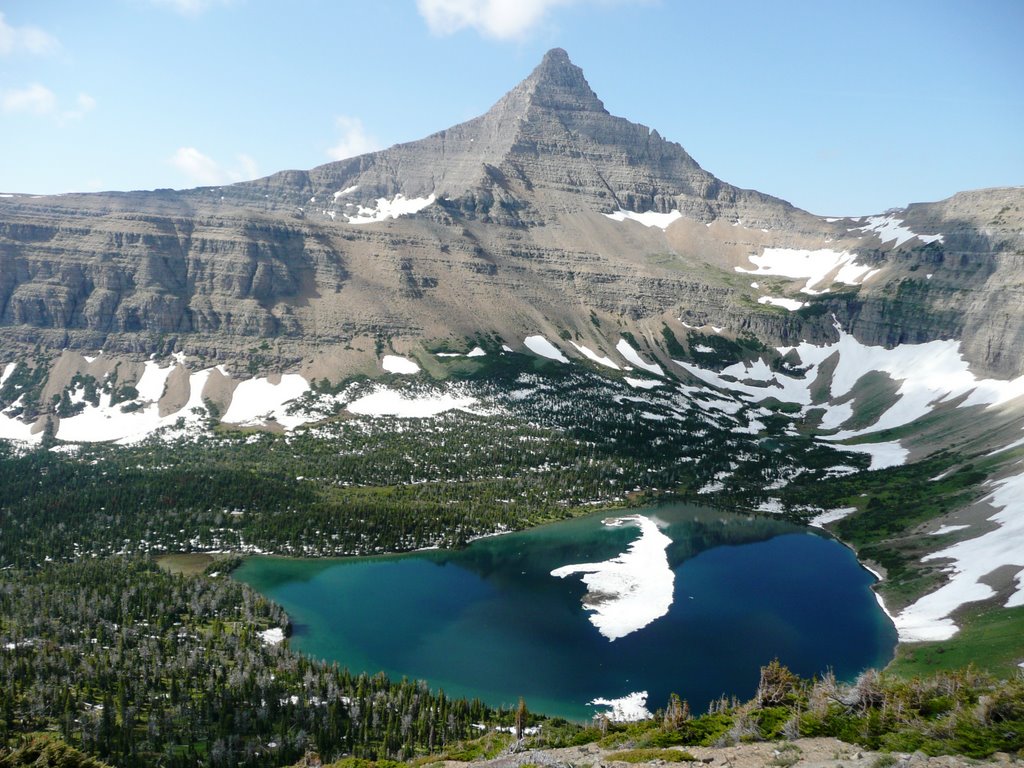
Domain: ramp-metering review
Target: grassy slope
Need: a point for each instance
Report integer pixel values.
(990, 637)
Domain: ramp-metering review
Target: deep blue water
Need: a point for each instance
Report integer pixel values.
(491, 622)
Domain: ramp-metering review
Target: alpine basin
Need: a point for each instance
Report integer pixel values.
(668, 599)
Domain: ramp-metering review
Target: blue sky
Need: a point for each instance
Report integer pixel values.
(840, 107)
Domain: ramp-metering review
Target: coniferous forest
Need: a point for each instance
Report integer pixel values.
(129, 664)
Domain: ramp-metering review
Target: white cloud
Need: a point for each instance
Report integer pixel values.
(354, 139)
(83, 105)
(190, 7)
(37, 99)
(25, 39)
(499, 19)
(34, 99)
(204, 171)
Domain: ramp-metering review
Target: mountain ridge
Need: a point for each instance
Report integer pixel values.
(496, 225)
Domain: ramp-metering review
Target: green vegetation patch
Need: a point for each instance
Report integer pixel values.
(991, 638)
(45, 751)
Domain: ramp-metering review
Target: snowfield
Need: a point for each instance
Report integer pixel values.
(928, 375)
(634, 358)
(385, 209)
(791, 304)
(541, 346)
(107, 422)
(648, 218)
(970, 561)
(816, 266)
(889, 228)
(387, 402)
(399, 364)
(592, 355)
(257, 401)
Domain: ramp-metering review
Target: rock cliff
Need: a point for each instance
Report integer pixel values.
(516, 222)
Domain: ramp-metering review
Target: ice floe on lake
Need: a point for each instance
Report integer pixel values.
(629, 591)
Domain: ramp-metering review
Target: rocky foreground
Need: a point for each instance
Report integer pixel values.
(811, 753)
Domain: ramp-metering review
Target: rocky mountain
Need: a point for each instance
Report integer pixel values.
(771, 352)
(543, 213)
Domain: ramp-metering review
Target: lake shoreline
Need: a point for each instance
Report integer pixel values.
(505, 554)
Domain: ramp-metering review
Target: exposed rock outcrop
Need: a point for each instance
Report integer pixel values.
(496, 225)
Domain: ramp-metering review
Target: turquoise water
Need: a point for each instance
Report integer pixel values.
(492, 622)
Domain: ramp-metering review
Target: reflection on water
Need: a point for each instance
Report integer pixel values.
(492, 621)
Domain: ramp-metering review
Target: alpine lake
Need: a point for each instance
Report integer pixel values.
(668, 599)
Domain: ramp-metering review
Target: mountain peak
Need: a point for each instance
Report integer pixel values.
(556, 57)
(557, 83)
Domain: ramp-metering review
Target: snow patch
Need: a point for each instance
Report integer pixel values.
(397, 206)
(891, 228)
(943, 530)
(257, 401)
(272, 636)
(8, 370)
(628, 709)
(387, 402)
(816, 266)
(642, 383)
(634, 357)
(592, 355)
(883, 455)
(791, 304)
(648, 218)
(972, 559)
(541, 346)
(399, 364)
(831, 516)
(629, 591)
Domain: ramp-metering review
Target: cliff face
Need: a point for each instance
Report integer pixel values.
(498, 225)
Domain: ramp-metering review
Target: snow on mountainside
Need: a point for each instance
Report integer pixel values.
(577, 238)
(824, 383)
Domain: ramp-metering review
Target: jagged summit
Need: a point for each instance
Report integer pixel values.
(557, 83)
(547, 147)
(512, 223)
